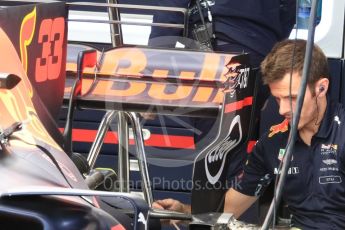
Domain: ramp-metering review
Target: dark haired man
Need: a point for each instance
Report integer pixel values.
(243, 26)
(315, 187)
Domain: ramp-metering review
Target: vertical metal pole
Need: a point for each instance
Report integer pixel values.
(97, 144)
(123, 155)
(296, 116)
(139, 143)
(115, 29)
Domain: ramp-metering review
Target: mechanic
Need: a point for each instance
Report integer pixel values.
(314, 188)
(250, 26)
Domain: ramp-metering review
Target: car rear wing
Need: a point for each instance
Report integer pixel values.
(175, 82)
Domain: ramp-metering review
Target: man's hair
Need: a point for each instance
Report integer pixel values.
(279, 62)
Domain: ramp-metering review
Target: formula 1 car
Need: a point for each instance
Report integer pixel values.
(44, 184)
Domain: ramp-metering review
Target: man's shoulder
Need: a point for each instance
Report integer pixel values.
(337, 113)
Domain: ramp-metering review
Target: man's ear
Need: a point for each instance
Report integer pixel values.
(321, 87)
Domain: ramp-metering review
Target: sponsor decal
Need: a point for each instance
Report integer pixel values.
(237, 77)
(291, 171)
(331, 164)
(280, 128)
(27, 31)
(330, 161)
(135, 63)
(198, 82)
(330, 180)
(329, 149)
(219, 153)
(325, 169)
(329, 146)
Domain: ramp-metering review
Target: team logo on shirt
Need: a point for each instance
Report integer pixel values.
(330, 163)
(280, 128)
(329, 149)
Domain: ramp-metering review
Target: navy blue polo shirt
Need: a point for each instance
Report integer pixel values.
(315, 187)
